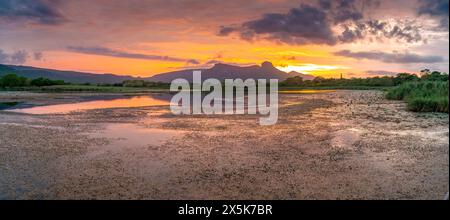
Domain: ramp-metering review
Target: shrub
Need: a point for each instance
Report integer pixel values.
(12, 80)
(423, 96)
(45, 82)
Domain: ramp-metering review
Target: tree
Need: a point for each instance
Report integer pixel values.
(405, 77)
(12, 80)
(134, 83)
(45, 82)
(425, 72)
(294, 81)
(435, 76)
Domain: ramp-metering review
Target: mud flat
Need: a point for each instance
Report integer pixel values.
(334, 145)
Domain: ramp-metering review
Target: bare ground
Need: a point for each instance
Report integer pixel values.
(339, 145)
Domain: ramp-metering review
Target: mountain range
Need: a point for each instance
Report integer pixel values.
(67, 76)
(219, 71)
(225, 71)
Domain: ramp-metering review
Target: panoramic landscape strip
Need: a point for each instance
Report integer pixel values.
(242, 108)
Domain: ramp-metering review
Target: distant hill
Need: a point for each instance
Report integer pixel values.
(225, 71)
(218, 71)
(68, 76)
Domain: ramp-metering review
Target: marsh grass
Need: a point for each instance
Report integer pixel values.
(422, 96)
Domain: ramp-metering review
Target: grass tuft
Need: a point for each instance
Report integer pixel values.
(423, 96)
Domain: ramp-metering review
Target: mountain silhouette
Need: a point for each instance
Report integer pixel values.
(67, 76)
(225, 71)
(219, 71)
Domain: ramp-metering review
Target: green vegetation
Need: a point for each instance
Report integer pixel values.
(422, 96)
(16, 83)
(428, 93)
(39, 82)
(293, 88)
(386, 81)
(13, 81)
(143, 83)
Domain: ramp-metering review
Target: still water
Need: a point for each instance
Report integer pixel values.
(124, 102)
(138, 101)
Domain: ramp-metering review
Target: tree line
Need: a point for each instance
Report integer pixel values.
(386, 81)
(13, 80)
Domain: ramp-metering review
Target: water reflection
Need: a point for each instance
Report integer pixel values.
(132, 135)
(160, 99)
(137, 101)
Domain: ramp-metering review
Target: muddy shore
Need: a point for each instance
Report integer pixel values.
(336, 145)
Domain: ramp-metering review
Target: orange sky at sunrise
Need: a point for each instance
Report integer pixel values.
(356, 38)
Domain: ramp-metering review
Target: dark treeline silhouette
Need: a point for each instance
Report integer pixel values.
(386, 81)
(143, 83)
(12, 81)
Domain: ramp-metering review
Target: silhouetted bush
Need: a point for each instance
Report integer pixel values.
(45, 82)
(12, 80)
(386, 81)
(143, 83)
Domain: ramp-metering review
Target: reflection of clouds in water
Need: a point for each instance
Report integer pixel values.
(136, 101)
(132, 135)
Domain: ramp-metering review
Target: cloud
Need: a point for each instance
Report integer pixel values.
(193, 62)
(225, 30)
(379, 30)
(18, 57)
(344, 10)
(4, 58)
(42, 12)
(38, 56)
(103, 51)
(436, 8)
(294, 27)
(328, 22)
(390, 57)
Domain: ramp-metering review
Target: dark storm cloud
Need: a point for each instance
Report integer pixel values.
(37, 11)
(314, 23)
(346, 10)
(296, 26)
(102, 51)
(18, 57)
(436, 8)
(380, 29)
(390, 57)
(293, 27)
(325, 4)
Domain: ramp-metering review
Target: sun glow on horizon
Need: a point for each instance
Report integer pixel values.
(311, 69)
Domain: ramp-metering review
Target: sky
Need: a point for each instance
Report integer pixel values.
(356, 38)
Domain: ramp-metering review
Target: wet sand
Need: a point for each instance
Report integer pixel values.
(336, 145)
